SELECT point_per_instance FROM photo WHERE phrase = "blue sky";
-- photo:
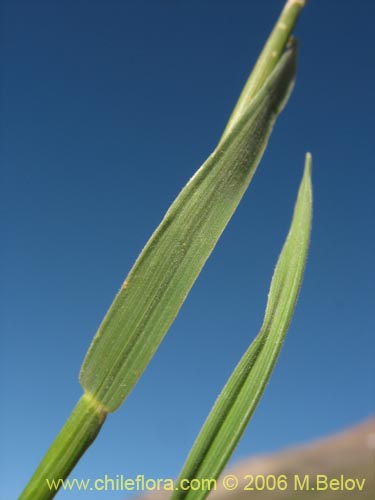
(109, 108)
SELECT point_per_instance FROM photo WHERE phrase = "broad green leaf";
(165, 271)
(239, 398)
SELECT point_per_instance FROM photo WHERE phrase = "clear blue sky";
(109, 108)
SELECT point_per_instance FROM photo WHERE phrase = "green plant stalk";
(162, 276)
(78, 433)
(267, 60)
(241, 394)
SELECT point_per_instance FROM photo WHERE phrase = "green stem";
(269, 57)
(75, 437)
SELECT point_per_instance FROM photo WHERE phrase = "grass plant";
(166, 269)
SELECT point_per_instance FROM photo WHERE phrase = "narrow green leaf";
(172, 259)
(239, 398)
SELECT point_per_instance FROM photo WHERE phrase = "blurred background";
(109, 107)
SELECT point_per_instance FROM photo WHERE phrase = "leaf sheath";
(75, 437)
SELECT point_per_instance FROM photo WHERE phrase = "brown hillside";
(347, 459)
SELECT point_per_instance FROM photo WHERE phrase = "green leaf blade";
(240, 396)
(168, 266)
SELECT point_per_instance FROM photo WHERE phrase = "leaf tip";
(308, 163)
(299, 3)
